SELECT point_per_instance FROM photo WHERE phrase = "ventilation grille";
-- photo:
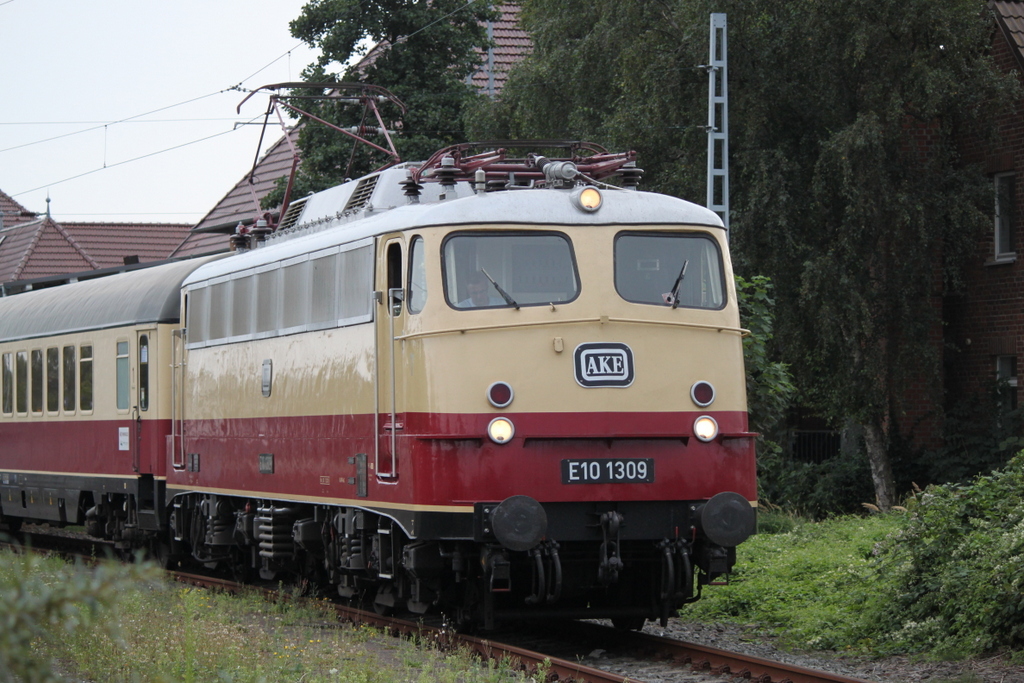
(291, 216)
(361, 196)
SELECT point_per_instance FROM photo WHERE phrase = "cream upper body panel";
(446, 357)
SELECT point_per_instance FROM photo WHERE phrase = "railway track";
(702, 662)
(557, 650)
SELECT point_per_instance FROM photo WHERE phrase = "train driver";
(477, 286)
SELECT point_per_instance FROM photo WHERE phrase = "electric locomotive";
(479, 382)
(497, 387)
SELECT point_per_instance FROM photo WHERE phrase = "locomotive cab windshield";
(509, 269)
(671, 269)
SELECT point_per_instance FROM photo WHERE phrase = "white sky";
(75, 70)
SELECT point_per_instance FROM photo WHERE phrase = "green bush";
(945, 578)
(952, 581)
(836, 486)
(44, 601)
(809, 585)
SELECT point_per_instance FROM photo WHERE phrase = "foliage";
(808, 584)
(980, 434)
(848, 190)
(44, 602)
(951, 582)
(424, 54)
(843, 204)
(945, 580)
(834, 486)
(583, 81)
(769, 385)
(163, 631)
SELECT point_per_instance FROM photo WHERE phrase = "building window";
(1006, 376)
(1006, 214)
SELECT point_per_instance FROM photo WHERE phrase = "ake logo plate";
(603, 364)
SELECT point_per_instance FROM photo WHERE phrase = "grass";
(160, 631)
(807, 583)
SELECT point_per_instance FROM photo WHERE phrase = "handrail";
(575, 321)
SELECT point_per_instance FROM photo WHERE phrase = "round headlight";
(588, 199)
(705, 428)
(500, 394)
(501, 430)
(702, 393)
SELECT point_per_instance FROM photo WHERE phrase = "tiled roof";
(109, 243)
(511, 44)
(237, 205)
(1010, 17)
(44, 248)
(12, 213)
(37, 249)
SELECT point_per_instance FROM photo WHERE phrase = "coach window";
(69, 379)
(37, 380)
(85, 378)
(52, 379)
(144, 372)
(417, 276)
(123, 380)
(8, 383)
(21, 381)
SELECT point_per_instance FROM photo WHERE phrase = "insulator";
(631, 175)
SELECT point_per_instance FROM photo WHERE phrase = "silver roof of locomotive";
(376, 204)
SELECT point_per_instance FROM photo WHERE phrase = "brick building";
(985, 325)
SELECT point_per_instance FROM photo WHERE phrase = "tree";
(619, 74)
(424, 53)
(848, 190)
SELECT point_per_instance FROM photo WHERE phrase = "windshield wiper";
(679, 281)
(504, 295)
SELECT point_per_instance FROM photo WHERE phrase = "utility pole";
(718, 122)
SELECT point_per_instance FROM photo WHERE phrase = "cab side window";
(417, 276)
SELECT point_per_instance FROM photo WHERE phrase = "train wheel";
(628, 623)
(160, 553)
(13, 524)
(384, 602)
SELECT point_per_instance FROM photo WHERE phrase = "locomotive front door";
(390, 321)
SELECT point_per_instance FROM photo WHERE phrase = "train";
(496, 385)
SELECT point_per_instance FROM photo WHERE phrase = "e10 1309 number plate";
(608, 471)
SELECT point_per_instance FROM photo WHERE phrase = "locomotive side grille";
(291, 216)
(361, 195)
